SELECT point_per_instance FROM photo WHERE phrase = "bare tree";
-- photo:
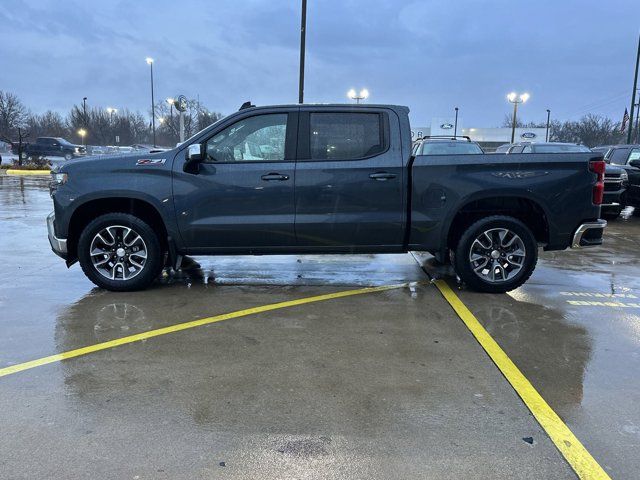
(591, 130)
(196, 117)
(13, 121)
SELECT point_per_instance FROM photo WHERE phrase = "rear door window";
(345, 135)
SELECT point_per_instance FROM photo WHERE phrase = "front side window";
(619, 156)
(634, 155)
(258, 138)
(345, 136)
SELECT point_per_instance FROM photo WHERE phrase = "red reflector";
(598, 193)
(598, 167)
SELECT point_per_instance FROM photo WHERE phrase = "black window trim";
(291, 134)
(304, 137)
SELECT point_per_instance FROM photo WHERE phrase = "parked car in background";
(615, 182)
(626, 157)
(542, 147)
(339, 179)
(435, 145)
(50, 147)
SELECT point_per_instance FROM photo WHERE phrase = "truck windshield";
(450, 148)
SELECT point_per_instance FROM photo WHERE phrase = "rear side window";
(516, 149)
(345, 136)
(619, 156)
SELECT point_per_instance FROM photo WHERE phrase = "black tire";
(68, 156)
(482, 283)
(151, 267)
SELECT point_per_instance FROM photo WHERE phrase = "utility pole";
(633, 94)
(546, 137)
(303, 34)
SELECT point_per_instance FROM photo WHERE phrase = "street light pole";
(153, 108)
(455, 124)
(514, 98)
(633, 94)
(84, 111)
(546, 137)
(303, 34)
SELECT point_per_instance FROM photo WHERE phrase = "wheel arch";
(91, 209)
(529, 211)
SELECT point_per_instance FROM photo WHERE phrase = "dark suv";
(626, 157)
(52, 147)
(615, 181)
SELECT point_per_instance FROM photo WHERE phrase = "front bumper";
(589, 234)
(58, 245)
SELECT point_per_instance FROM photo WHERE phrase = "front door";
(633, 194)
(349, 178)
(242, 197)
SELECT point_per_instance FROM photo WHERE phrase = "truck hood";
(113, 163)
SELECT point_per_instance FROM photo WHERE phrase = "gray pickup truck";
(321, 179)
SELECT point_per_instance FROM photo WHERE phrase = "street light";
(153, 109)
(82, 132)
(111, 111)
(171, 102)
(364, 94)
(514, 98)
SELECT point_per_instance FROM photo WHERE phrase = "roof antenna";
(246, 105)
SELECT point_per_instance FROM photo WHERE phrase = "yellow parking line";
(11, 171)
(186, 325)
(585, 466)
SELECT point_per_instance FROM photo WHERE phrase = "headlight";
(60, 178)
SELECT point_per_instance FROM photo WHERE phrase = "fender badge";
(151, 161)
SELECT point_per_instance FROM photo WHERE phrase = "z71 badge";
(151, 161)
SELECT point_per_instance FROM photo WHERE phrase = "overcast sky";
(572, 56)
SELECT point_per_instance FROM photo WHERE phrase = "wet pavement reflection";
(371, 387)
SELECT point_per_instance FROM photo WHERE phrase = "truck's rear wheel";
(496, 254)
(120, 252)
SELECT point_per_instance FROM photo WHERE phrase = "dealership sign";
(528, 135)
(446, 126)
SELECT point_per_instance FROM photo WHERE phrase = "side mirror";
(635, 163)
(193, 157)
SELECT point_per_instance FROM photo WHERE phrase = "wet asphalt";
(381, 385)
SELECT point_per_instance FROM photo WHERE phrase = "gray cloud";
(573, 56)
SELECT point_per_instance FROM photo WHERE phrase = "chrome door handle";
(274, 176)
(382, 176)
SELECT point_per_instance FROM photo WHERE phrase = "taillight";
(598, 167)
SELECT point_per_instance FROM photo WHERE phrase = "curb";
(28, 172)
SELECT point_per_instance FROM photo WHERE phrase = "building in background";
(488, 138)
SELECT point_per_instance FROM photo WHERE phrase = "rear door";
(242, 197)
(349, 180)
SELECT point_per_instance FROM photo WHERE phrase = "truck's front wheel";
(120, 252)
(496, 254)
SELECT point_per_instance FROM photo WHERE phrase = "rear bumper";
(58, 245)
(589, 234)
